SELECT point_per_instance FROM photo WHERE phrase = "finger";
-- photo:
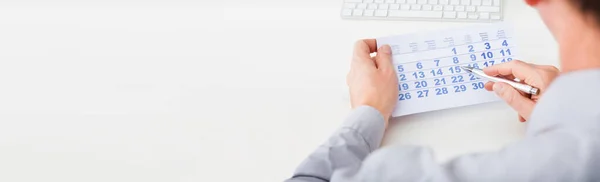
(384, 58)
(521, 119)
(489, 86)
(364, 48)
(517, 68)
(514, 99)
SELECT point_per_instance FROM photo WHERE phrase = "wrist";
(379, 111)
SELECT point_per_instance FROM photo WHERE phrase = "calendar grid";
(453, 46)
(457, 55)
(429, 66)
(441, 67)
(440, 86)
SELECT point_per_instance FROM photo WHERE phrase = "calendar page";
(428, 66)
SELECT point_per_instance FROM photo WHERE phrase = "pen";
(519, 86)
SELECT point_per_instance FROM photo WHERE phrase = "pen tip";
(468, 68)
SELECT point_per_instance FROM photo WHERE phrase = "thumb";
(518, 102)
(384, 57)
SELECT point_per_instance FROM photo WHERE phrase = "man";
(563, 136)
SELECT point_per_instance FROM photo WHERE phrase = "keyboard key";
(347, 12)
(438, 8)
(473, 16)
(361, 6)
(484, 16)
(444, 2)
(476, 2)
(427, 7)
(394, 6)
(465, 2)
(449, 14)
(448, 8)
(390, 1)
(369, 12)
(486, 2)
(496, 16)
(454, 2)
(384, 6)
(422, 1)
(411, 1)
(405, 7)
(353, 1)
(368, 1)
(496, 2)
(372, 6)
(357, 12)
(415, 7)
(462, 15)
(401, 1)
(471, 8)
(488, 9)
(381, 13)
(415, 14)
(459, 8)
(350, 5)
(433, 1)
(379, 1)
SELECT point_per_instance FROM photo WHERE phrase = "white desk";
(179, 91)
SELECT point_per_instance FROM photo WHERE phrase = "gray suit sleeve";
(562, 143)
(360, 135)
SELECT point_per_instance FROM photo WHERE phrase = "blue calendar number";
(504, 43)
(471, 48)
(419, 66)
(419, 74)
(455, 60)
(488, 55)
(424, 93)
(405, 96)
(507, 60)
(457, 79)
(440, 81)
(403, 86)
(437, 62)
(436, 72)
(460, 88)
(420, 84)
(474, 65)
(400, 68)
(441, 91)
(454, 50)
(455, 69)
(488, 46)
(477, 86)
(489, 63)
(473, 57)
(472, 77)
(504, 53)
(402, 77)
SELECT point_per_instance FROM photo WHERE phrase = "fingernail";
(385, 49)
(497, 88)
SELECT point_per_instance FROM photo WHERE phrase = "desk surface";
(180, 91)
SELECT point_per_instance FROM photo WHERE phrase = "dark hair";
(589, 7)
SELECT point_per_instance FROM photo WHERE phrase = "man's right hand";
(535, 75)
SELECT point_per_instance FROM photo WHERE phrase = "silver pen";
(519, 86)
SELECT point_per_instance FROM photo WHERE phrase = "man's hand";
(535, 75)
(372, 80)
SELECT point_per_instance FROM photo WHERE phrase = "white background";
(161, 90)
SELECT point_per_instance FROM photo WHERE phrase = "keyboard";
(435, 10)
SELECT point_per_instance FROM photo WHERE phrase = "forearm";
(360, 135)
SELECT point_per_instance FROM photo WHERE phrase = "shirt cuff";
(368, 123)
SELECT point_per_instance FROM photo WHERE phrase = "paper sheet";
(428, 66)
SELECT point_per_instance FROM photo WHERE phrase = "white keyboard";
(436, 10)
